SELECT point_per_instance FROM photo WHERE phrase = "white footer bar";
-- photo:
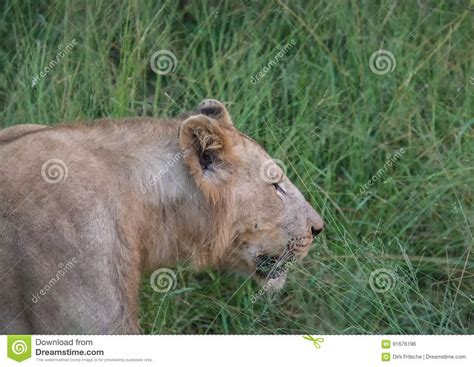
(234, 350)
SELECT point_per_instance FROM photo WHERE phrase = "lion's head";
(261, 220)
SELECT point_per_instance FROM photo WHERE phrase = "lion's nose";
(315, 231)
(315, 222)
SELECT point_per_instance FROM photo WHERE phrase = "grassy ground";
(320, 109)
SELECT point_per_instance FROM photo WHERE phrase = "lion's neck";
(164, 213)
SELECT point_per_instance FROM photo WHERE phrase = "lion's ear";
(215, 110)
(207, 153)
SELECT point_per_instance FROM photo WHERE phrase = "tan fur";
(139, 194)
(16, 131)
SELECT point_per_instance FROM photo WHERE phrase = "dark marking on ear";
(206, 161)
(215, 110)
(209, 155)
(211, 111)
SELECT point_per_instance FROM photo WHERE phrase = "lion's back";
(53, 213)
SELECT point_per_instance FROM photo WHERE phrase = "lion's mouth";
(272, 267)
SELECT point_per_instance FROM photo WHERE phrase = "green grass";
(321, 110)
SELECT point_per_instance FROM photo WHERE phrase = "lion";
(88, 209)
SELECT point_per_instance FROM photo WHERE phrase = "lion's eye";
(279, 189)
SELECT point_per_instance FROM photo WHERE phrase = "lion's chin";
(272, 285)
(271, 271)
